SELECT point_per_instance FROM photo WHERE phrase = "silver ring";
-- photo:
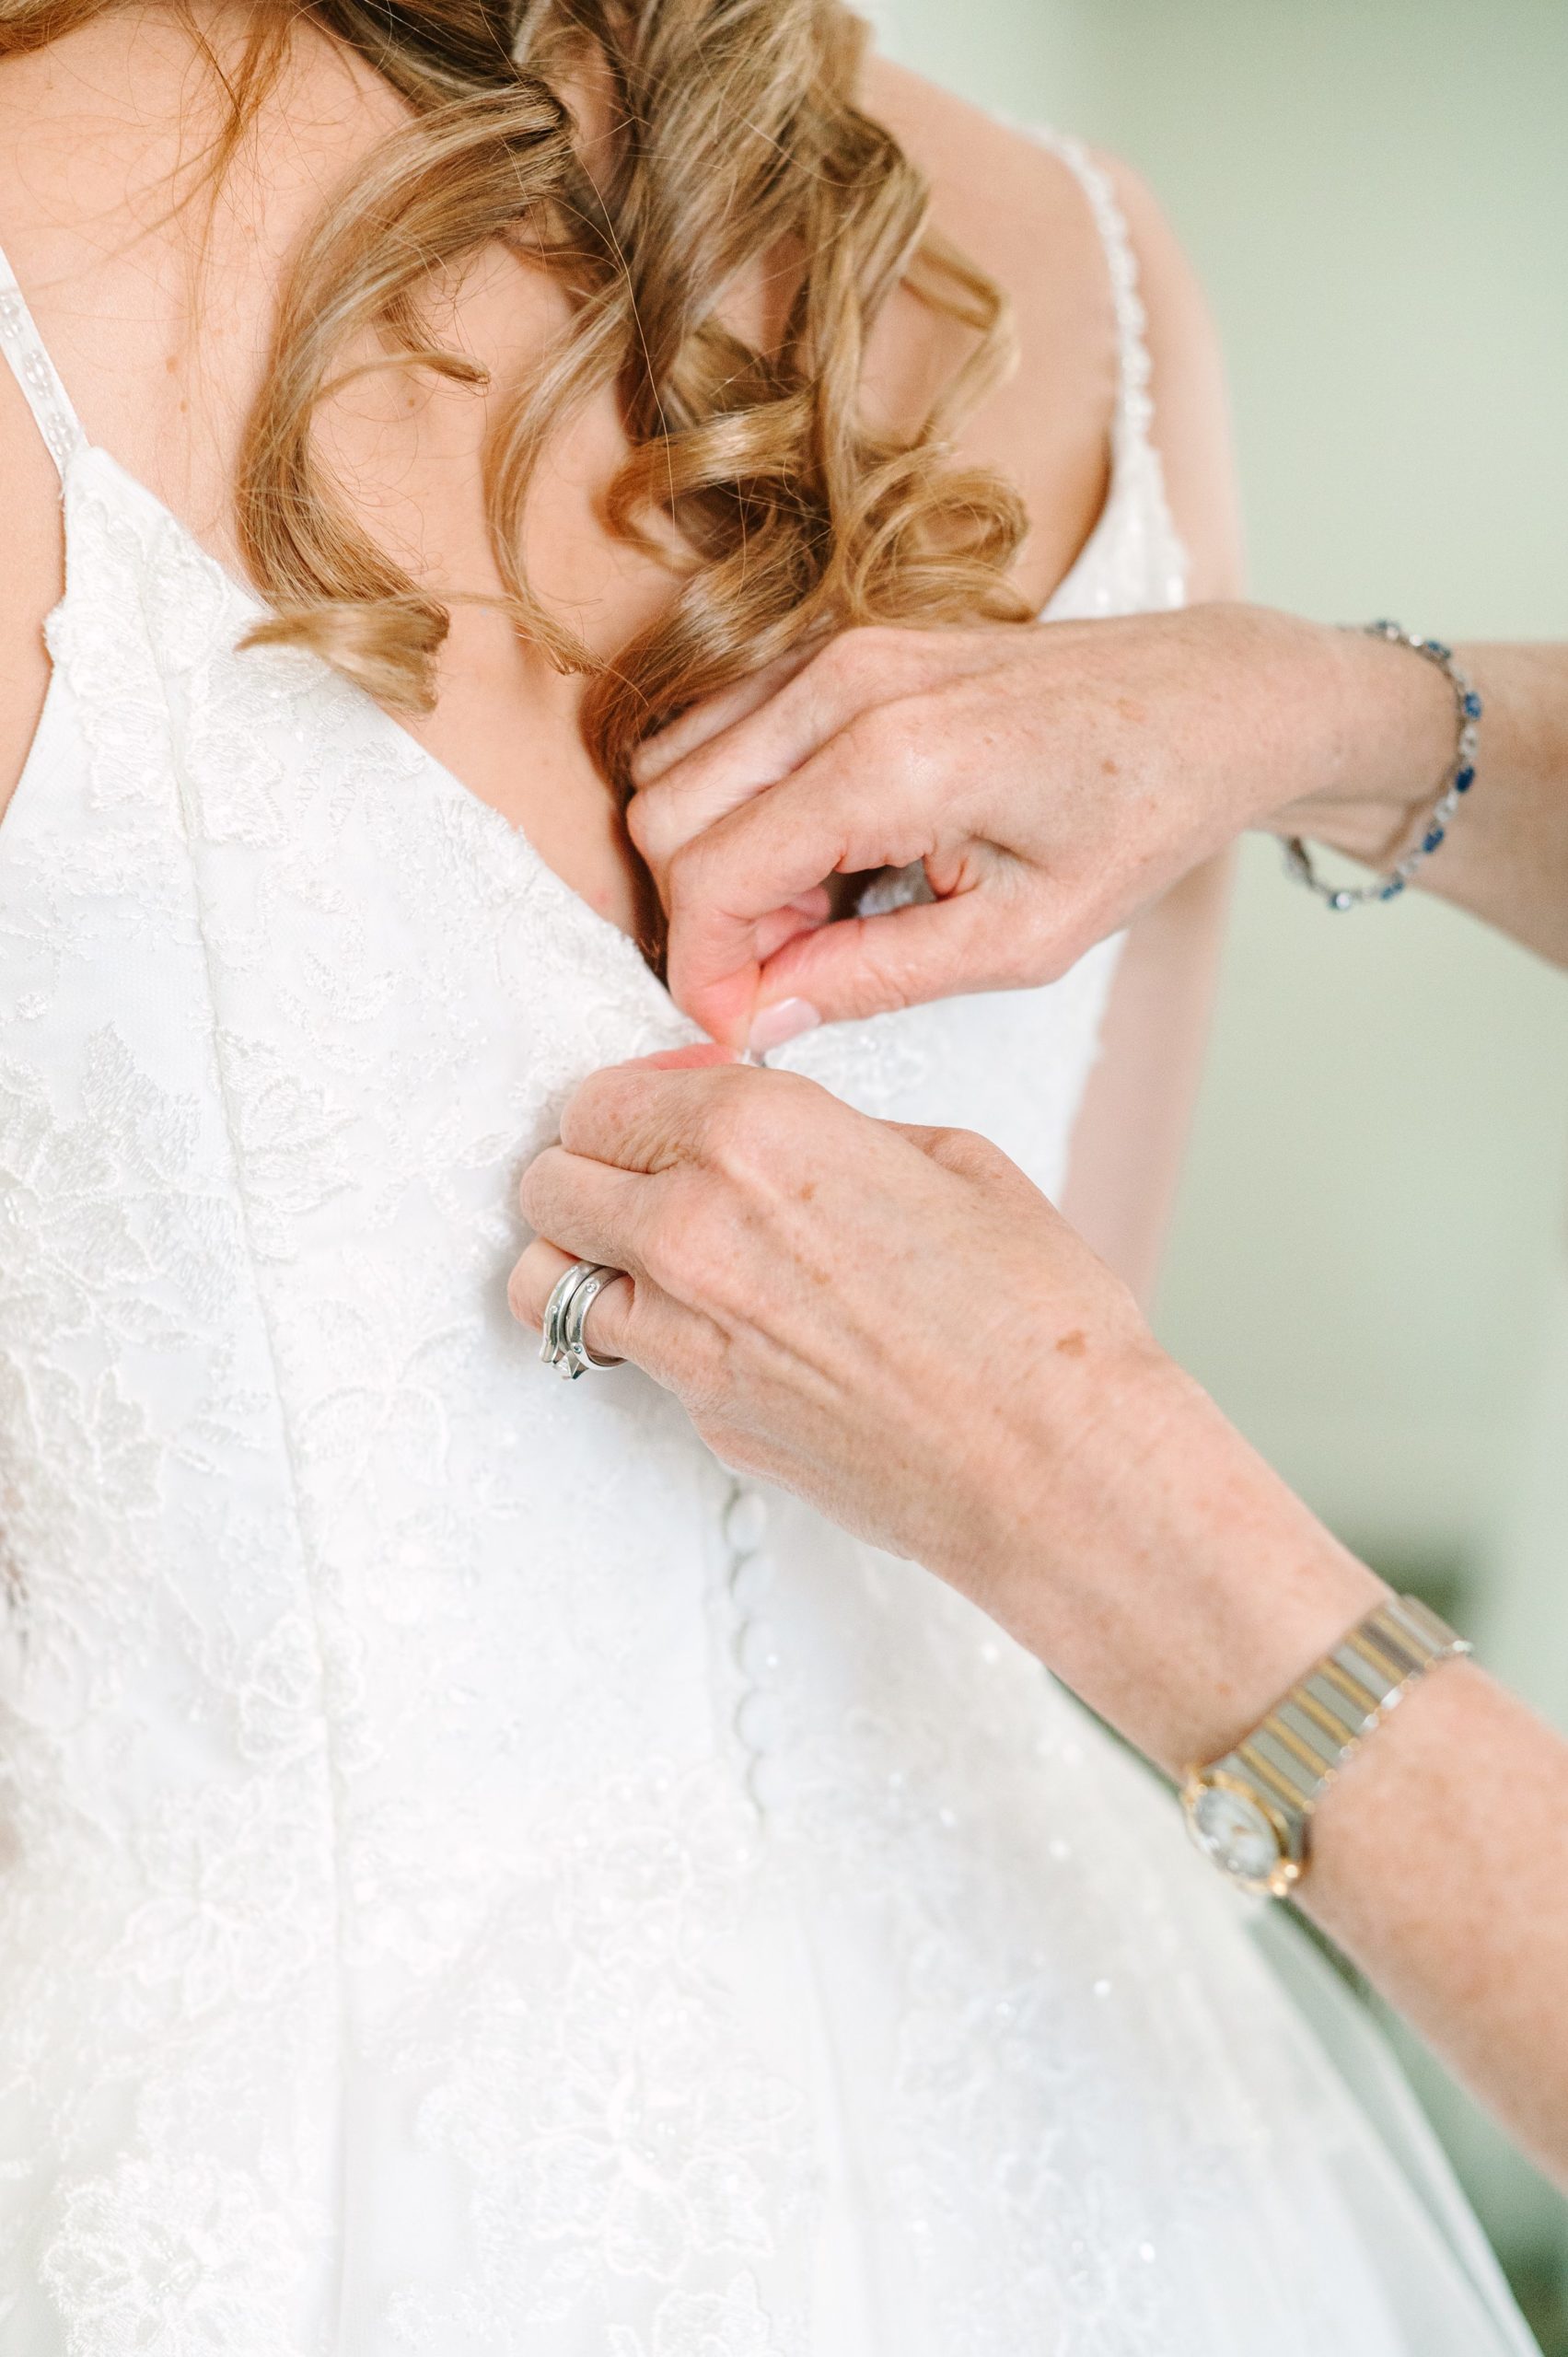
(580, 1358)
(565, 1285)
(563, 1345)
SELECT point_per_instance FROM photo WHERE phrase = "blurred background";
(1370, 1268)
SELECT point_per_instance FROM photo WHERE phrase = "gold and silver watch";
(1251, 1812)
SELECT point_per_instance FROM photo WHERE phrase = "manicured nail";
(776, 1025)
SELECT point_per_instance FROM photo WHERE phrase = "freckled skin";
(1107, 1515)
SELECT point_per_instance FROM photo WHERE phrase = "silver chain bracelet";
(1456, 783)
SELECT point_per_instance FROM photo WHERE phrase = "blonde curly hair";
(754, 474)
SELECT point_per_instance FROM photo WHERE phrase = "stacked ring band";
(563, 1345)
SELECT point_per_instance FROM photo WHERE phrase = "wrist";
(1284, 700)
(1387, 737)
(1169, 1578)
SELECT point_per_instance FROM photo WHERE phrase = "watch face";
(1236, 1832)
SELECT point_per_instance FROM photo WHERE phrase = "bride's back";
(155, 279)
(475, 1879)
(157, 289)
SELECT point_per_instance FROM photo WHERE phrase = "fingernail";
(774, 1026)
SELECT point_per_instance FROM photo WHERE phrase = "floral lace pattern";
(399, 1948)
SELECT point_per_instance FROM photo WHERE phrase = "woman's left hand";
(896, 1325)
(835, 1298)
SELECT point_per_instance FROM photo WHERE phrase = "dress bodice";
(476, 1879)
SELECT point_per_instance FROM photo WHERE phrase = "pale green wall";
(1369, 1262)
(1376, 194)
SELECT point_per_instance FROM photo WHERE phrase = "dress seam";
(178, 723)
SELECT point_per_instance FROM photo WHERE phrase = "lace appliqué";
(401, 1947)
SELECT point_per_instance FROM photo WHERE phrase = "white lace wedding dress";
(475, 1880)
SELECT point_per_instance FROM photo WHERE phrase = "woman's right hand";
(1054, 780)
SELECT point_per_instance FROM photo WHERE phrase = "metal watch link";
(1251, 1812)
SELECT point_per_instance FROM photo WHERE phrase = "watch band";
(1251, 1812)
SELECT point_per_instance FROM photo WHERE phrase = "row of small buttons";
(759, 1714)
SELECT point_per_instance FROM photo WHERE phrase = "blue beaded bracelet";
(1458, 782)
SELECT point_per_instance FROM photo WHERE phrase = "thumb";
(747, 890)
(865, 966)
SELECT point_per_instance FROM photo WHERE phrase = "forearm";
(1383, 739)
(1199, 1590)
(898, 1327)
(1440, 1872)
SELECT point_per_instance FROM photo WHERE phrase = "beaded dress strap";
(36, 373)
(1134, 405)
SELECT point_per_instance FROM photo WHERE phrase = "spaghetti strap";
(1134, 407)
(36, 373)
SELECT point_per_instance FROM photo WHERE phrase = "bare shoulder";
(997, 186)
(1191, 425)
(1012, 202)
(1012, 206)
(115, 226)
(103, 135)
